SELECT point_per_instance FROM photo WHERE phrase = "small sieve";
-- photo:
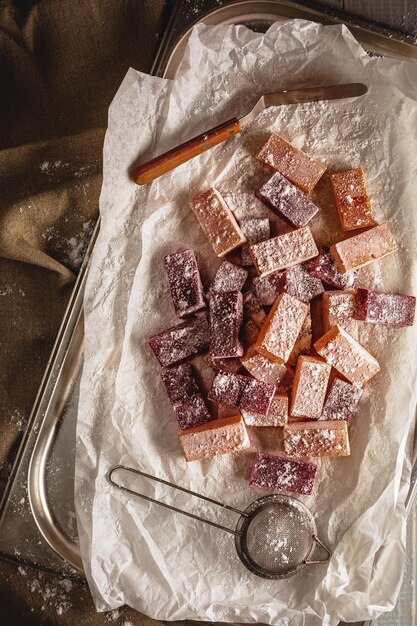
(274, 537)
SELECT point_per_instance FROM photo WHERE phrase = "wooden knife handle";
(163, 163)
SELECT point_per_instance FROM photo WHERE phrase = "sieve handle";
(118, 468)
(325, 548)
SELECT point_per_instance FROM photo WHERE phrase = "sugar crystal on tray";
(322, 438)
(339, 308)
(231, 365)
(371, 245)
(276, 416)
(342, 401)
(229, 277)
(324, 268)
(352, 199)
(304, 340)
(384, 308)
(273, 472)
(217, 221)
(298, 282)
(294, 164)
(309, 389)
(255, 230)
(266, 370)
(243, 392)
(252, 309)
(179, 342)
(283, 251)
(222, 436)
(185, 283)
(287, 200)
(185, 395)
(281, 328)
(267, 288)
(226, 315)
(347, 356)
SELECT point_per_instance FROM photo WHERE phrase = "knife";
(147, 172)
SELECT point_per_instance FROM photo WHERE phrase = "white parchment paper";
(134, 552)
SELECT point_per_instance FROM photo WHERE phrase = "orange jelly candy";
(221, 436)
(293, 163)
(327, 438)
(372, 245)
(338, 308)
(283, 251)
(304, 340)
(309, 389)
(352, 199)
(217, 221)
(347, 356)
(281, 328)
(266, 370)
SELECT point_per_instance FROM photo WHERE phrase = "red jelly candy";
(342, 401)
(287, 200)
(227, 388)
(226, 316)
(185, 396)
(179, 342)
(243, 392)
(324, 268)
(185, 282)
(384, 308)
(229, 277)
(273, 472)
(298, 282)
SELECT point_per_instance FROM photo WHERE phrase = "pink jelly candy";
(270, 372)
(243, 392)
(324, 268)
(226, 316)
(384, 308)
(179, 342)
(252, 309)
(267, 288)
(229, 277)
(185, 282)
(342, 401)
(223, 436)
(298, 282)
(255, 230)
(185, 396)
(273, 472)
(287, 200)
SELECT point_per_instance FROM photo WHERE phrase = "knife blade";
(149, 171)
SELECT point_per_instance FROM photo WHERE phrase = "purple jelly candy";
(185, 396)
(255, 230)
(342, 401)
(287, 200)
(184, 280)
(179, 342)
(384, 308)
(226, 315)
(244, 392)
(267, 288)
(298, 282)
(323, 267)
(229, 277)
(273, 472)
(227, 388)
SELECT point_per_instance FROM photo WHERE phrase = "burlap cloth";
(61, 61)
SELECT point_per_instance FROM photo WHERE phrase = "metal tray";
(37, 519)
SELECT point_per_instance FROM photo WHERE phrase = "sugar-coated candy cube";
(342, 401)
(324, 268)
(226, 410)
(277, 414)
(304, 340)
(222, 436)
(287, 200)
(181, 341)
(227, 388)
(229, 277)
(384, 308)
(281, 328)
(185, 283)
(231, 365)
(252, 309)
(226, 315)
(254, 230)
(273, 472)
(250, 333)
(322, 438)
(352, 199)
(339, 308)
(267, 288)
(347, 356)
(371, 245)
(266, 370)
(185, 395)
(294, 164)
(242, 392)
(309, 389)
(217, 221)
(283, 251)
(298, 282)
(256, 396)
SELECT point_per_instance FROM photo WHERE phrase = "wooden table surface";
(400, 14)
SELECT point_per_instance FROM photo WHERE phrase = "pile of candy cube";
(262, 324)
